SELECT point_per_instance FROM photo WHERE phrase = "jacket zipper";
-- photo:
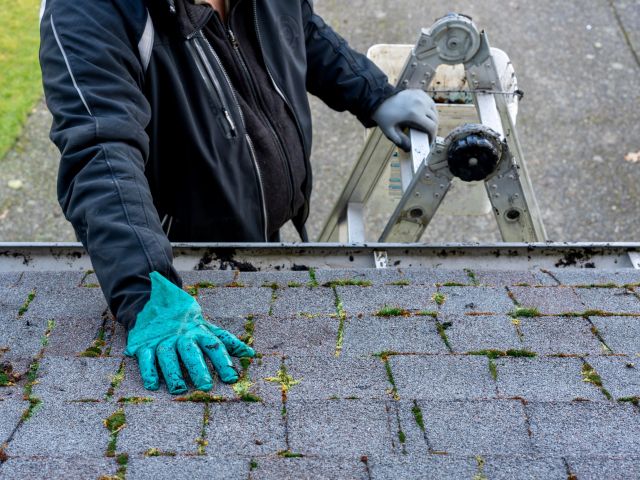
(201, 36)
(212, 85)
(281, 150)
(264, 203)
(282, 95)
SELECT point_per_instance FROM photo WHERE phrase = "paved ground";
(578, 64)
(474, 375)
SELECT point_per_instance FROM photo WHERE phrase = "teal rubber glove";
(171, 324)
(411, 108)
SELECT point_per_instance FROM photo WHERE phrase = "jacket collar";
(190, 17)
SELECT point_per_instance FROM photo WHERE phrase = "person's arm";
(347, 80)
(93, 75)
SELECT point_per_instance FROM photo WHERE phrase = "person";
(189, 120)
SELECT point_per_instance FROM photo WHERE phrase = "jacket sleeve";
(93, 76)
(343, 78)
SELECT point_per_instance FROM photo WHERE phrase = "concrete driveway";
(577, 62)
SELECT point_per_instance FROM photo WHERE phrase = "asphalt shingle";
(73, 430)
(58, 468)
(234, 302)
(525, 468)
(473, 333)
(372, 335)
(325, 468)
(442, 377)
(599, 468)
(584, 428)
(11, 412)
(621, 334)
(614, 300)
(498, 278)
(437, 466)
(340, 428)
(476, 427)
(475, 299)
(299, 335)
(90, 380)
(378, 277)
(324, 378)
(555, 335)
(620, 376)
(169, 427)
(368, 300)
(245, 428)
(544, 379)
(597, 277)
(548, 300)
(303, 300)
(186, 468)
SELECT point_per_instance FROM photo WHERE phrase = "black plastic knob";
(473, 157)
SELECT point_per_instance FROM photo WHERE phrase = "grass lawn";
(20, 81)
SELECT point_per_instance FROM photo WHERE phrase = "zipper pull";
(232, 38)
(232, 125)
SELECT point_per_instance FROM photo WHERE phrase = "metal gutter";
(264, 257)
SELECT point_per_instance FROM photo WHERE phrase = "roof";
(474, 374)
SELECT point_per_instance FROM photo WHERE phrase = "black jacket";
(150, 133)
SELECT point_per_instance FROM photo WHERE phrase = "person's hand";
(410, 108)
(171, 325)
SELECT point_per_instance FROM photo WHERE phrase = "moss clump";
(348, 282)
(393, 391)
(135, 400)
(191, 290)
(452, 284)
(387, 311)
(480, 469)
(114, 424)
(385, 354)
(96, 348)
(249, 329)
(633, 400)
(25, 306)
(598, 285)
(417, 415)
(285, 380)
(493, 369)
(526, 312)
(200, 397)
(7, 376)
(242, 389)
(590, 375)
(289, 454)
(439, 298)
(154, 452)
(253, 465)
(400, 283)
(342, 316)
(442, 331)
(504, 353)
(116, 380)
(294, 285)
(472, 276)
(313, 281)
(426, 313)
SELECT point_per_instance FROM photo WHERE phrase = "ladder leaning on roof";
(488, 151)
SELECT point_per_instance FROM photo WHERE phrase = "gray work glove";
(411, 108)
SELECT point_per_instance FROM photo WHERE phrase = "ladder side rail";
(482, 74)
(424, 195)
